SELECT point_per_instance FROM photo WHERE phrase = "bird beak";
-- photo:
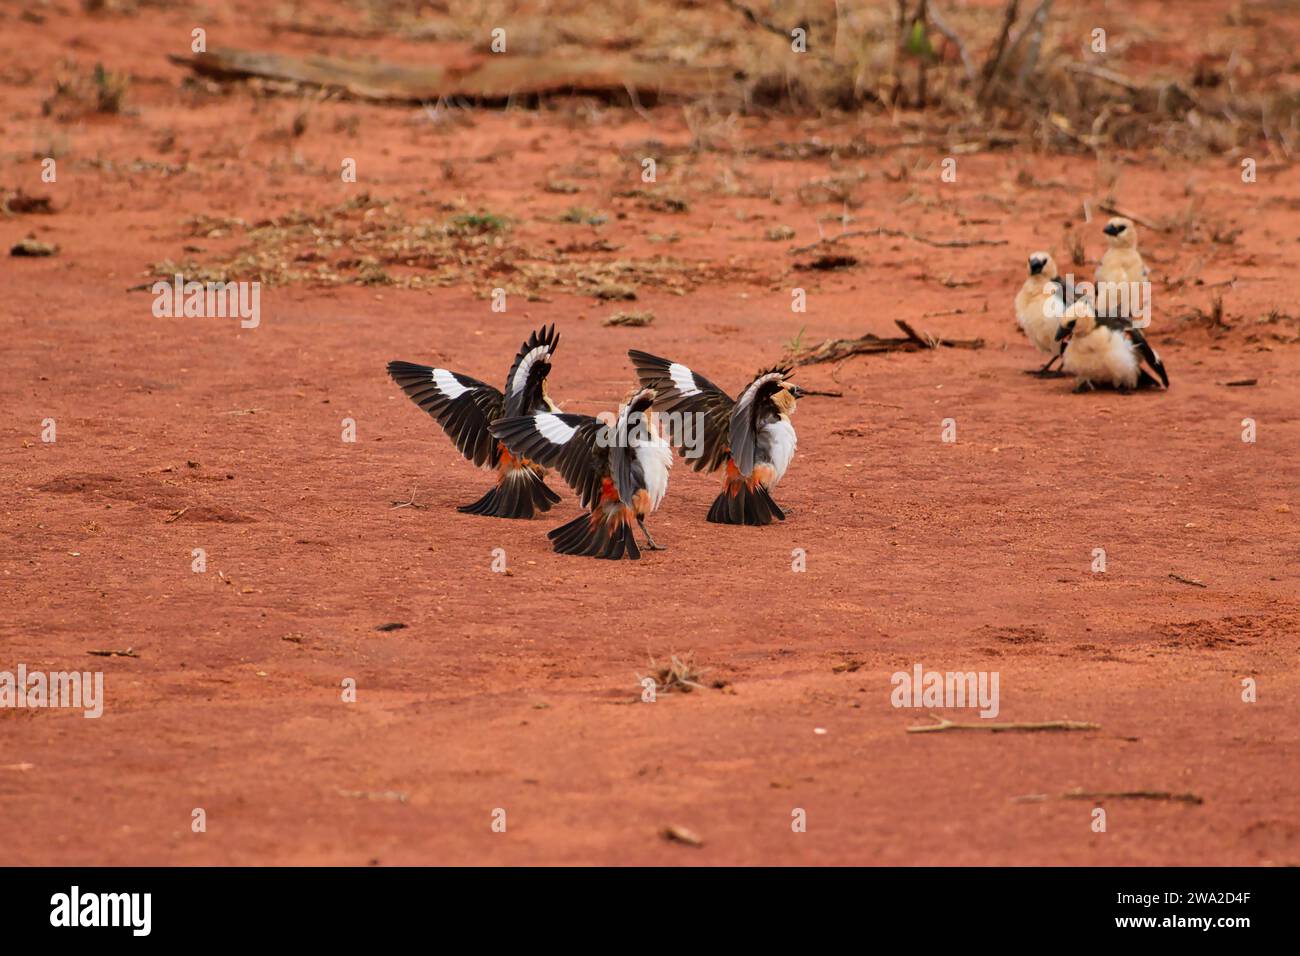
(795, 391)
(1036, 267)
(1111, 230)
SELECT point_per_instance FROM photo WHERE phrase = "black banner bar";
(536, 905)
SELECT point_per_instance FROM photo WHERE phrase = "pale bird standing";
(1121, 264)
(1040, 304)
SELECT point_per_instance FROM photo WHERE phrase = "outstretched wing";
(564, 442)
(752, 408)
(1148, 354)
(463, 406)
(683, 392)
(532, 363)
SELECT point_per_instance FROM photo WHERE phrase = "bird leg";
(650, 542)
(1044, 373)
(1083, 386)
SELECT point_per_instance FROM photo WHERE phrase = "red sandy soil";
(520, 691)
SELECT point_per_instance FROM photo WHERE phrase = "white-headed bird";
(1108, 352)
(751, 438)
(466, 407)
(620, 473)
(1040, 303)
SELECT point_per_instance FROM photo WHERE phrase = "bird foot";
(649, 541)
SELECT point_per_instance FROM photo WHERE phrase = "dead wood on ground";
(832, 350)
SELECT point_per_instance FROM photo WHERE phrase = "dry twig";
(833, 350)
(901, 234)
(1132, 795)
(946, 724)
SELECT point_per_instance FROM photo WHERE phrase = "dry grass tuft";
(680, 674)
(373, 241)
(634, 320)
(76, 95)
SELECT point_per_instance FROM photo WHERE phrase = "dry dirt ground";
(520, 691)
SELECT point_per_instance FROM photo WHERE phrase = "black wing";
(685, 392)
(463, 406)
(1148, 354)
(532, 363)
(1140, 343)
(753, 408)
(567, 443)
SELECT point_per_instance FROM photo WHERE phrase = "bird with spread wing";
(750, 438)
(620, 472)
(466, 407)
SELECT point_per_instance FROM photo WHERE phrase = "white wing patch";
(541, 353)
(684, 379)
(447, 383)
(552, 429)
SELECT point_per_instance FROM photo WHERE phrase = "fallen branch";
(946, 724)
(1132, 795)
(495, 79)
(928, 342)
(1111, 795)
(901, 234)
(1191, 581)
(832, 350)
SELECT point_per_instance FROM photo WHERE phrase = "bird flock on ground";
(619, 467)
(1095, 331)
